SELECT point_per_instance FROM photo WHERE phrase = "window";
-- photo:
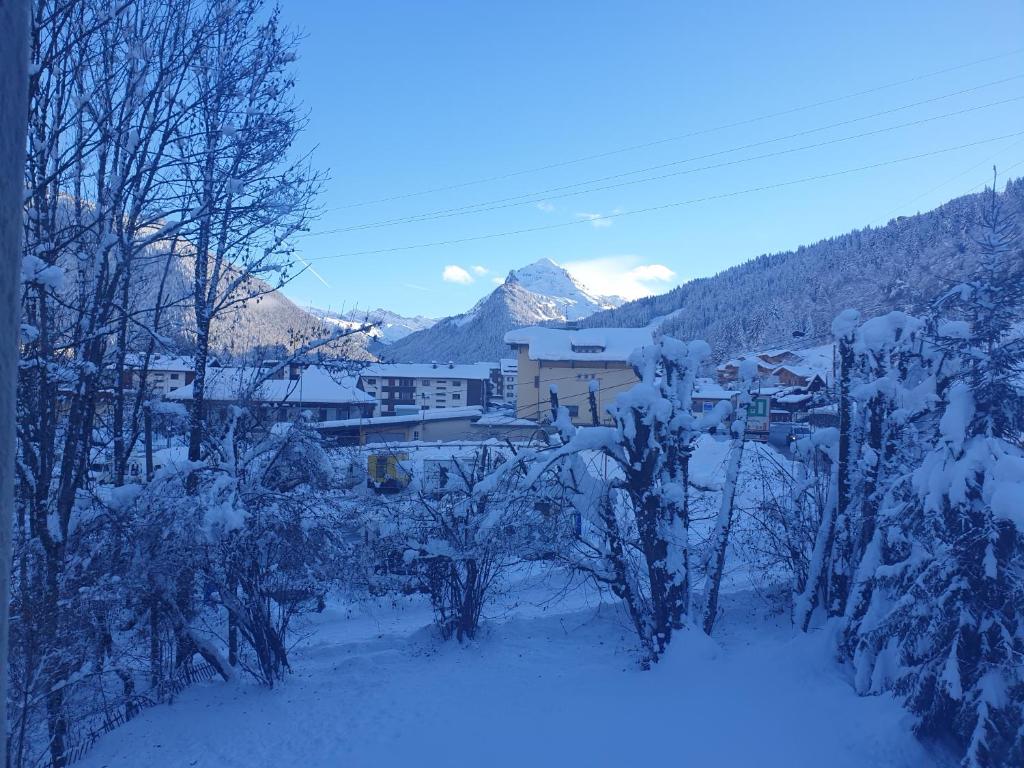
(574, 410)
(536, 382)
(440, 382)
(425, 383)
(456, 382)
(175, 376)
(371, 381)
(456, 396)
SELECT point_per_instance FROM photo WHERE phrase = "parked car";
(783, 434)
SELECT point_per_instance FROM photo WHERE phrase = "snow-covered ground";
(547, 684)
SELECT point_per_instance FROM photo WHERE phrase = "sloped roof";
(616, 344)
(434, 414)
(474, 371)
(161, 362)
(314, 385)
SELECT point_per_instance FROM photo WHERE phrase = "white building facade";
(402, 388)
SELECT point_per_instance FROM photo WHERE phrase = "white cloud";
(595, 219)
(497, 280)
(652, 272)
(545, 206)
(622, 276)
(480, 270)
(456, 274)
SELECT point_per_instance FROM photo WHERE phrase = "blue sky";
(410, 96)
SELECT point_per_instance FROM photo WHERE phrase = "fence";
(133, 705)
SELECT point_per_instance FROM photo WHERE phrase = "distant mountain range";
(389, 326)
(780, 299)
(791, 298)
(542, 292)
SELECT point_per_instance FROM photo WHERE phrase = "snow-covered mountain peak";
(571, 298)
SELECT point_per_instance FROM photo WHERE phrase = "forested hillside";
(764, 302)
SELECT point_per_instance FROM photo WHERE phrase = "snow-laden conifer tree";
(944, 621)
(635, 539)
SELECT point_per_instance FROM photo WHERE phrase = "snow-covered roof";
(597, 344)
(160, 362)
(473, 371)
(499, 419)
(509, 366)
(434, 414)
(711, 392)
(792, 399)
(804, 371)
(314, 385)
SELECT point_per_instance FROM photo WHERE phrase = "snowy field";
(549, 683)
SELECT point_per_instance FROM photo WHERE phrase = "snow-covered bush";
(459, 543)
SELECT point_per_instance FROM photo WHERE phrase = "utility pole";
(14, 52)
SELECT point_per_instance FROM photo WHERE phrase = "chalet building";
(729, 372)
(403, 388)
(777, 368)
(573, 361)
(286, 394)
(776, 357)
(800, 376)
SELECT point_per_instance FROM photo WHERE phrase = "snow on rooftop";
(473, 371)
(811, 360)
(598, 344)
(501, 419)
(160, 362)
(509, 365)
(434, 414)
(314, 385)
(713, 392)
(801, 370)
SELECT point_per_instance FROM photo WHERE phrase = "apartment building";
(509, 377)
(573, 361)
(164, 373)
(403, 388)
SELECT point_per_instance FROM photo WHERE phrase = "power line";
(542, 195)
(691, 201)
(679, 137)
(883, 219)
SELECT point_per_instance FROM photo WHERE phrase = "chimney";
(451, 365)
(433, 363)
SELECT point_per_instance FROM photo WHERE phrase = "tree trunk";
(725, 515)
(14, 27)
